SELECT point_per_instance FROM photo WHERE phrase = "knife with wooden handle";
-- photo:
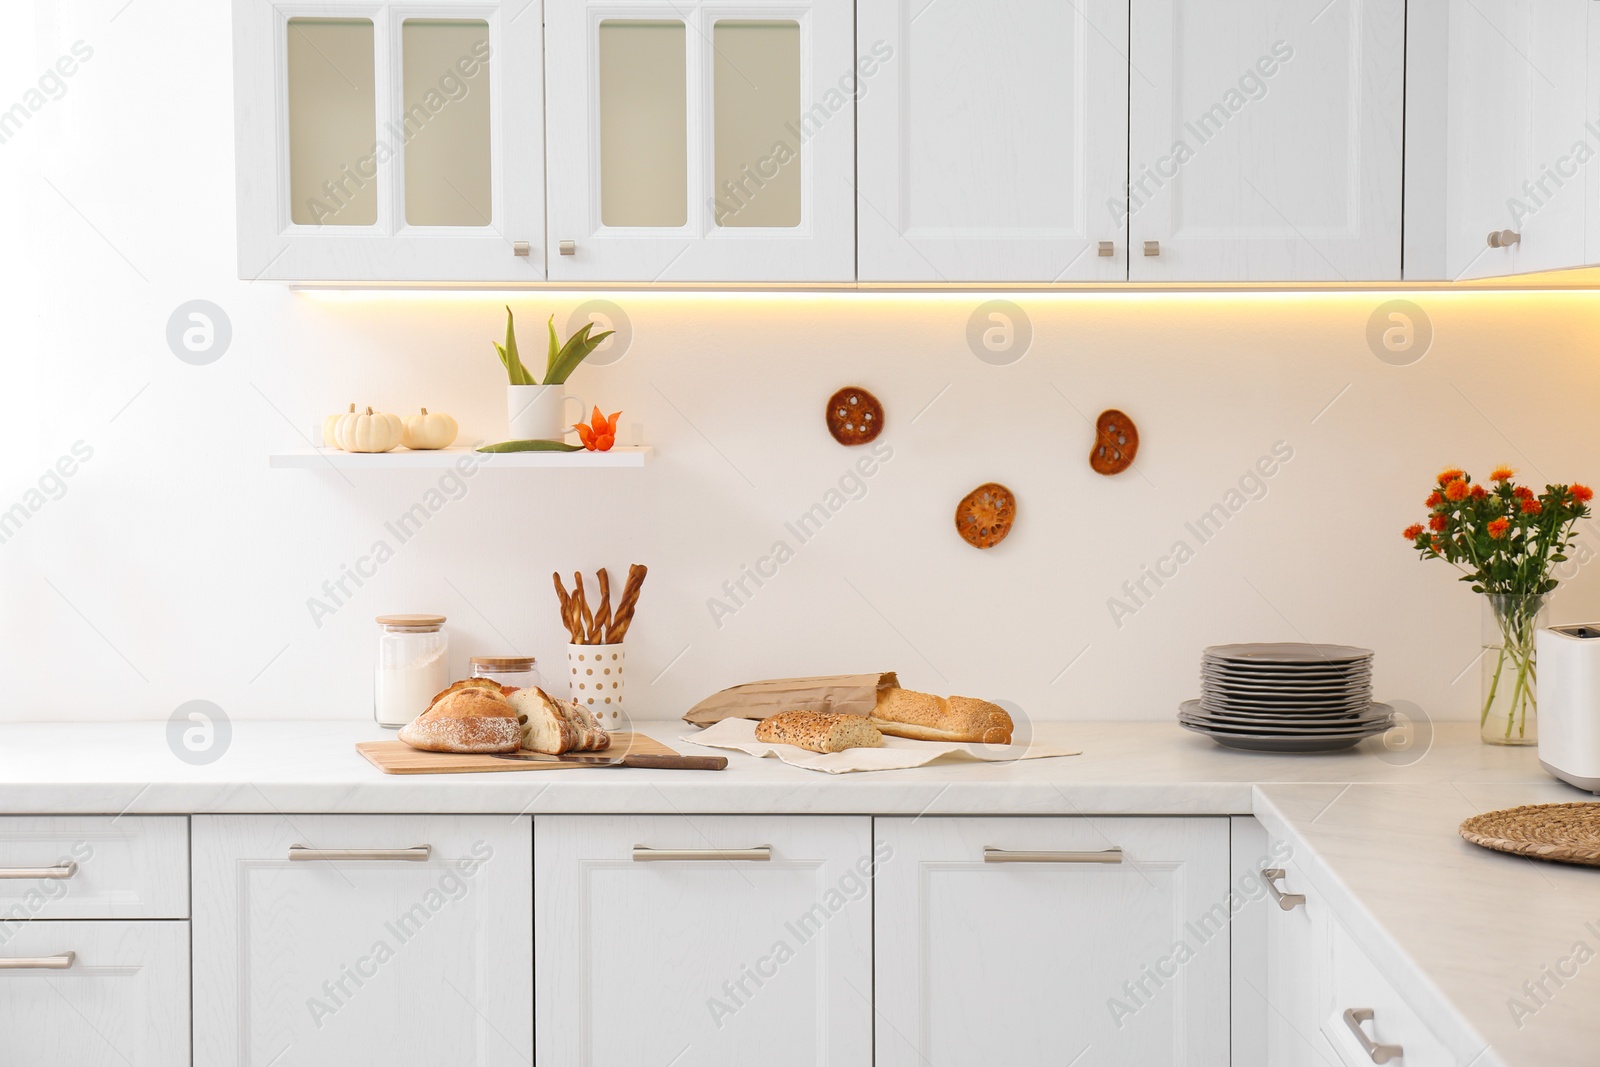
(653, 762)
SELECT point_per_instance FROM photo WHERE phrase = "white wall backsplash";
(173, 564)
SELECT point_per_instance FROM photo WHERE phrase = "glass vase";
(1510, 681)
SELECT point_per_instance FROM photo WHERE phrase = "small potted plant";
(1504, 539)
(534, 409)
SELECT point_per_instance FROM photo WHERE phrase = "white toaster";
(1568, 660)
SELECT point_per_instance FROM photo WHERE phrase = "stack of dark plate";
(1286, 698)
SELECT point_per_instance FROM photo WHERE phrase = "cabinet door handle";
(418, 854)
(567, 248)
(1152, 248)
(1286, 901)
(1108, 248)
(1504, 238)
(1001, 855)
(1353, 1018)
(521, 248)
(646, 854)
(59, 962)
(60, 870)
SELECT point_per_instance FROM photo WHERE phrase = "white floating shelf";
(406, 459)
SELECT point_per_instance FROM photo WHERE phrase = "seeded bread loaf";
(924, 717)
(818, 731)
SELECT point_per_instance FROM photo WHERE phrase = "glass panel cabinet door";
(389, 141)
(993, 140)
(700, 142)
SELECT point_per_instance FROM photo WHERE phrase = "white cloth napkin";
(897, 752)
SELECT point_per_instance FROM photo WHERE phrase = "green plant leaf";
(554, 353)
(515, 371)
(574, 352)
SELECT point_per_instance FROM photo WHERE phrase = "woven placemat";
(1561, 833)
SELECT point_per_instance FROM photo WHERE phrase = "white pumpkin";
(368, 431)
(330, 426)
(426, 431)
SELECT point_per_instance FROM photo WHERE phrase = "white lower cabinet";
(1368, 1021)
(334, 940)
(1278, 948)
(1084, 941)
(703, 940)
(111, 993)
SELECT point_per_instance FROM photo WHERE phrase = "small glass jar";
(518, 672)
(413, 667)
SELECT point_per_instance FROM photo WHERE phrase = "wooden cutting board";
(397, 757)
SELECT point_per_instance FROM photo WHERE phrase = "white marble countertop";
(1150, 768)
(1459, 929)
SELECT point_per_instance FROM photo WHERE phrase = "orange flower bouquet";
(1504, 539)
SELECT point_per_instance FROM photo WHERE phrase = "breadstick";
(623, 618)
(566, 608)
(585, 618)
(602, 616)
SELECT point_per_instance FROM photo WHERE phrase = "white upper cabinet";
(1088, 941)
(1501, 103)
(389, 141)
(1265, 140)
(701, 142)
(993, 140)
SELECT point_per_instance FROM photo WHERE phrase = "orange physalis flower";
(1479, 492)
(1434, 499)
(1583, 493)
(1502, 474)
(1531, 507)
(1436, 524)
(1451, 475)
(600, 434)
(1413, 532)
(1457, 490)
(1498, 527)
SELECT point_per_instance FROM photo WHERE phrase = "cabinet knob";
(1152, 248)
(569, 248)
(1353, 1018)
(1504, 238)
(1286, 901)
(1107, 248)
(521, 248)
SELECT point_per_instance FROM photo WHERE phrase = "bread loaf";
(924, 717)
(469, 719)
(556, 726)
(819, 731)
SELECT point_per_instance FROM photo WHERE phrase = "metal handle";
(1504, 238)
(568, 248)
(1108, 248)
(1286, 901)
(60, 870)
(521, 248)
(59, 962)
(1353, 1018)
(646, 854)
(418, 854)
(1001, 855)
(1152, 248)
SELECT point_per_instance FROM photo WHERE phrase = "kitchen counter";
(1459, 928)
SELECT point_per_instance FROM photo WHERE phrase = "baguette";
(818, 731)
(924, 717)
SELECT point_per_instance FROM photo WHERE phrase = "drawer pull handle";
(59, 962)
(1001, 855)
(418, 854)
(1286, 901)
(646, 854)
(60, 870)
(1353, 1018)
(1504, 238)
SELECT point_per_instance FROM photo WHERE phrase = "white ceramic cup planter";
(595, 675)
(538, 412)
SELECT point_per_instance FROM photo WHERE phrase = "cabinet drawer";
(94, 994)
(717, 941)
(1110, 933)
(1355, 984)
(94, 867)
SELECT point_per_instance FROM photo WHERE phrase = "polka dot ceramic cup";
(595, 674)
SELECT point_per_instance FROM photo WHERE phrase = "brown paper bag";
(846, 694)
